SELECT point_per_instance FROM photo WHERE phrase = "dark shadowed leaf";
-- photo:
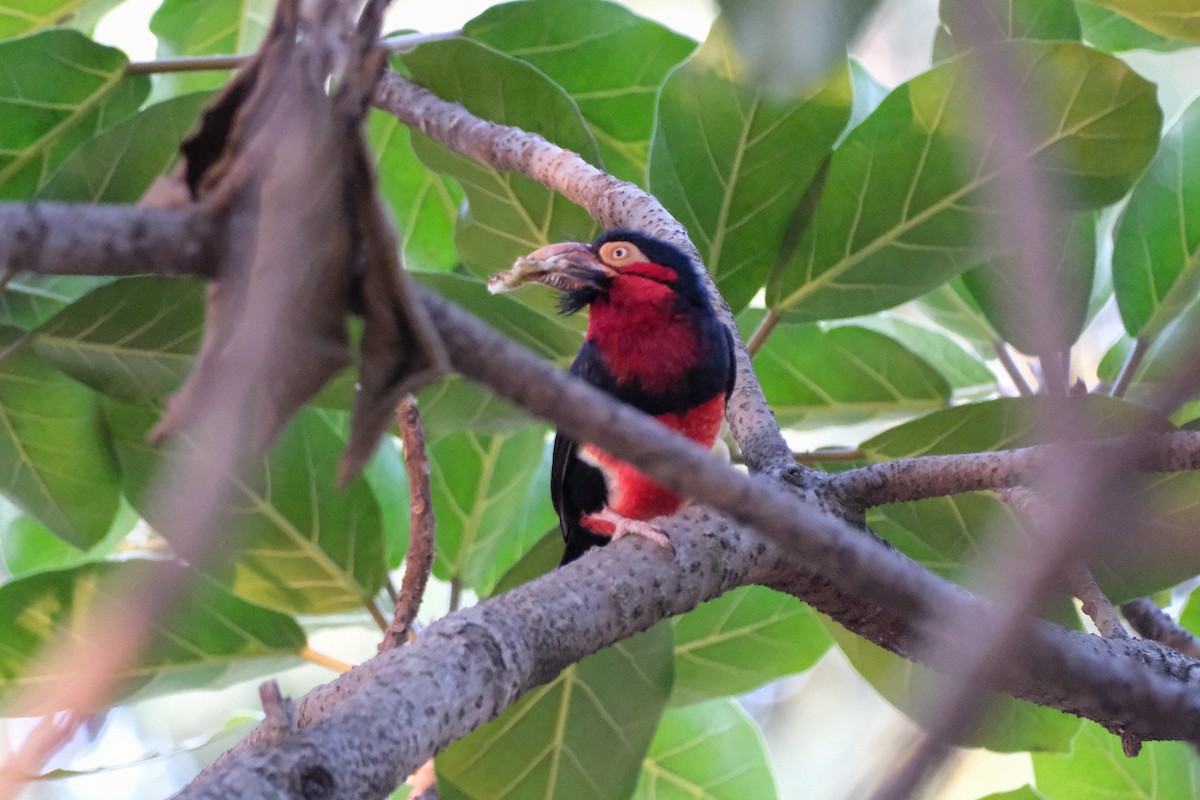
(425, 204)
(57, 89)
(740, 641)
(1006, 725)
(507, 215)
(724, 160)
(609, 60)
(843, 375)
(904, 200)
(59, 468)
(710, 751)
(299, 544)
(483, 486)
(118, 165)
(133, 339)
(580, 737)
(213, 639)
(1097, 767)
(1004, 298)
(1156, 247)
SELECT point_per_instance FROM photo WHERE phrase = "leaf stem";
(1130, 367)
(765, 328)
(1010, 366)
(323, 660)
(373, 609)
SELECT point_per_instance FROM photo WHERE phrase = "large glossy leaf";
(213, 639)
(208, 27)
(19, 17)
(57, 88)
(1174, 18)
(1156, 248)
(29, 300)
(962, 369)
(1009, 19)
(1108, 30)
(844, 375)
(425, 204)
(610, 61)
(507, 215)
(118, 165)
(740, 641)
(906, 194)
(1003, 295)
(1006, 725)
(456, 404)
(1097, 767)
(57, 463)
(295, 542)
(133, 339)
(580, 737)
(28, 546)
(951, 306)
(482, 486)
(711, 751)
(724, 160)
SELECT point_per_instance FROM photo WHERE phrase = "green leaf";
(711, 751)
(906, 195)
(294, 542)
(27, 545)
(1024, 793)
(133, 339)
(118, 165)
(213, 639)
(18, 17)
(951, 307)
(1004, 297)
(741, 640)
(1156, 247)
(609, 60)
(1006, 724)
(455, 404)
(1108, 30)
(1173, 18)
(1010, 19)
(843, 375)
(208, 27)
(507, 215)
(542, 557)
(29, 300)
(724, 161)
(425, 204)
(580, 737)
(482, 486)
(958, 366)
(868, 93)
(59, 469)
(1097, 767)
(57, 89)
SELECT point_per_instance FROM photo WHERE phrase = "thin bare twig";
(421, 527)
(1130, 367)
(1095, 603)
(762, 333)
(1010, 366)
(1151, 622)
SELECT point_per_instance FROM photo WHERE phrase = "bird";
(653, 341)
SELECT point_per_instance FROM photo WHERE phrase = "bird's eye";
(620, 254)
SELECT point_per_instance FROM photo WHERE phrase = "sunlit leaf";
(710, 751)
(724, 160)
(957, 365)
(27, 545)
(609, 60)
(299, 544)
(58, 468)
(57, 89)
(208, 27)
(580, 737)
(740, 641)
(1174, 18)
(1108, 30)
(213, 639)
(1097, 767)
(906, 195)
(19, 17)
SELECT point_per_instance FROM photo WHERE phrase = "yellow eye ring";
(620, 254)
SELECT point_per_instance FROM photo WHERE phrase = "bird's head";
(625, 262)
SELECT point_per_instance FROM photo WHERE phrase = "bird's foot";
(625, 526)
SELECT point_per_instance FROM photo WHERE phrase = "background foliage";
(850, 215)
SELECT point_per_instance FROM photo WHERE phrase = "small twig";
(323, 660)
(764, 329)
(421, 528)
(455, 594)
(1151, 622)
(1130, 367)
(842, 454)
(186, 64)
(372, 607)
(389, 586)
(1010, 366)
(280, 713)
(1055, 379)
(1095, 603)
